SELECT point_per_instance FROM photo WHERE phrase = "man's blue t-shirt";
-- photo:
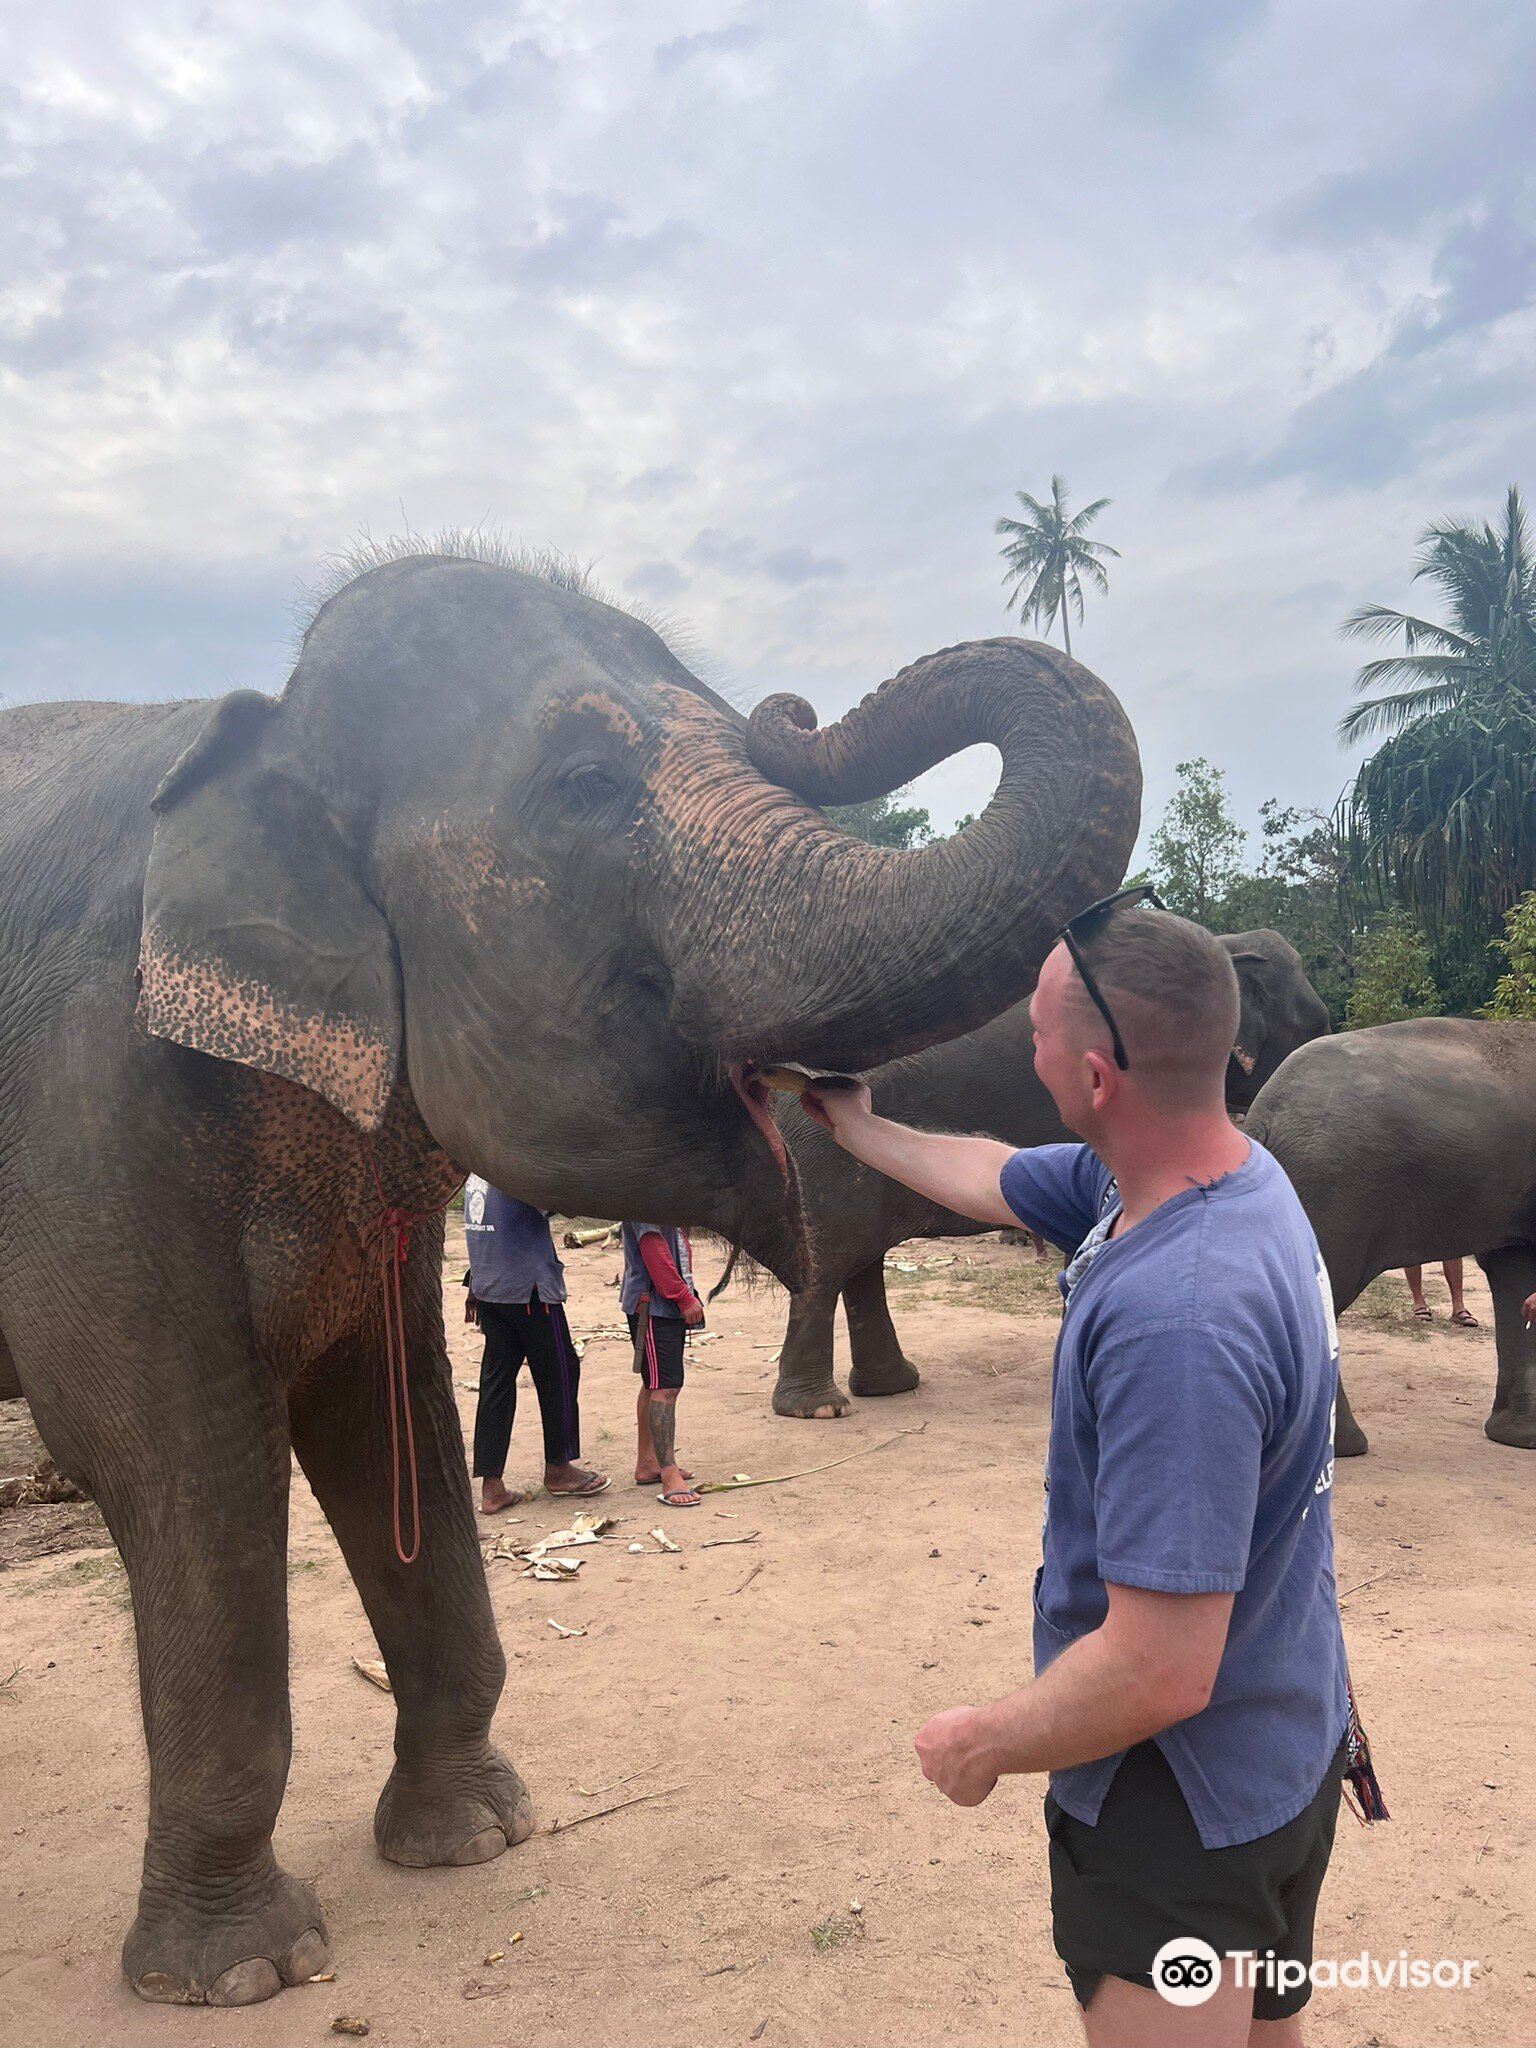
(1191, 1451)
(511, 1251)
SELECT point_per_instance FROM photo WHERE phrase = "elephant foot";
(1513, 1426)
(452, 1812)
(894, 1376)
(180, 1954)
(1350, 1440)
(811, 1404)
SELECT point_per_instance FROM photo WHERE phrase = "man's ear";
(259, 943)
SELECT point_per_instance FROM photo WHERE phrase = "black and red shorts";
(659, 1361)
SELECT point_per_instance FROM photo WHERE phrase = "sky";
(767, 310)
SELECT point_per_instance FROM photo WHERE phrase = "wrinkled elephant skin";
(495, 884)
(1413, 1142)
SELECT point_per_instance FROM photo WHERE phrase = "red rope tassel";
(394, 1243)
(395, 1226)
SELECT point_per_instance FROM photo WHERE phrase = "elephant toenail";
(480, 1848)
(311, 1952)
(246, 1983)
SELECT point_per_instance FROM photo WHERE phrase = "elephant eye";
(587, 786)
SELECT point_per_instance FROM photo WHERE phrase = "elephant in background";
(495, 885)
(984, 1082)
(1414, 1142)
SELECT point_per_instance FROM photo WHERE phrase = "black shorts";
(661, 1363)
(1143, 1877)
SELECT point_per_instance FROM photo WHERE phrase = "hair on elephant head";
(497, 842)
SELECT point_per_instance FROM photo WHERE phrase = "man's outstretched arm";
(961, 1173)
(1152, 1662)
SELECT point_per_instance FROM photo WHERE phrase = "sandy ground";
(776, 1683)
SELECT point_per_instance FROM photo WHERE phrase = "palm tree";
(1443, 815)
(1048, 558)
(1485, 655)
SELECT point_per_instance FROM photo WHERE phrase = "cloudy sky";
(768, 308)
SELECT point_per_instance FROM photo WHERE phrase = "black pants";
(538, 1332)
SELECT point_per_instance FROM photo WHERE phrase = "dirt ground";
(798, 1883)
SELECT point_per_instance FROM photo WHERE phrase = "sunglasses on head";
(1083, 926)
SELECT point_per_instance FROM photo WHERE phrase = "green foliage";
(1393, 980)
(884, 821)
(1048, 555)
(1514, 993)
(1197, 847)
(1442, 818)
(1301, 890)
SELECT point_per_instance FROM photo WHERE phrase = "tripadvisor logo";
(1187, 1971)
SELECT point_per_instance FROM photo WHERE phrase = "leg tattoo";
(663, 1421)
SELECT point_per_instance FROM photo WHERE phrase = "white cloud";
(769, 310)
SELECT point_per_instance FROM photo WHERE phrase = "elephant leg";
(451, 1797)
(879, 1365)
(1349, 1439)
(193, 1481)
(806, 1387)
(1511, 1277)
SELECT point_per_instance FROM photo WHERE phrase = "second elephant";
(984, 1082)
(1417, 1141)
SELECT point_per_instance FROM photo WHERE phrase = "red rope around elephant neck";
(395, 1226)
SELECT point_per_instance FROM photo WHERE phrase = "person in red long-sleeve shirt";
(659, 1300)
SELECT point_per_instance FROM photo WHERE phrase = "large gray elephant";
(495, 884)
(1412, 1142)
(983, 1082)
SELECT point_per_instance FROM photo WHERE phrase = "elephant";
(1417, 1141)
(984, 1082)
(495, 884)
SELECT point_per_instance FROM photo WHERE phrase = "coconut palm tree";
(1048, 557)
(1443, 815)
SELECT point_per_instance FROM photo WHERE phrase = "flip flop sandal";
(513, 1500)
(1465, 1320)
(642, 1484)
(1423, 1315)
(594, 1486)
(679, 1500)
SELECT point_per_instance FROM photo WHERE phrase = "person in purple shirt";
(517, 1296)
(1191, 1702)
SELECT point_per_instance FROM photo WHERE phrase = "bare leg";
(647, 1469)
(452, 1797)
(1511, 1277)
(1126, 2015)
(658, 1442)
(879, 1364)
(1460, 1313)
(1414, 1275)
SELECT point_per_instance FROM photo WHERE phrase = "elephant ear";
(259, 942)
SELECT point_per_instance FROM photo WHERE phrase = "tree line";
(1416, 895)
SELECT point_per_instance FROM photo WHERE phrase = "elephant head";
(496, 842)
(1280, 1010)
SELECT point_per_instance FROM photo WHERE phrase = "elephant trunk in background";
(818, 947)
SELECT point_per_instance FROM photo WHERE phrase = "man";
(658, 1298)
(1190, 1700)
(517, 1295)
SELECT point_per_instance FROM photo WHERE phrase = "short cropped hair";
(1174, 994)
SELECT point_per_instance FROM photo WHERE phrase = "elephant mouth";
(752, 1093)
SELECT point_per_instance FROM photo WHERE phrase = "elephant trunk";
(812, 945)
